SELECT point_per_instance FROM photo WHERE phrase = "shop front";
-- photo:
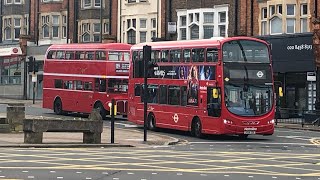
(293, 63)
(11, 73)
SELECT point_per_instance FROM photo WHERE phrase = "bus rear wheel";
(57, 106)
(196, 128)
(152, 122)
(102, 111)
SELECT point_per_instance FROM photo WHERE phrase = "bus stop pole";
(146, 58)
(112, 120)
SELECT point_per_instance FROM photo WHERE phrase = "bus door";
(214, 101)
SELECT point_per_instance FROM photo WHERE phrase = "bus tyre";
(243, 136)
(57, 106)
(196, 128)
(151, 122)
(102, 111)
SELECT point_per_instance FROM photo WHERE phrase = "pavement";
(123, 137)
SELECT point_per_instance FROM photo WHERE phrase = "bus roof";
(85, 46)
(215, 41)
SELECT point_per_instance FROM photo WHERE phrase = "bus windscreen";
(245, 51)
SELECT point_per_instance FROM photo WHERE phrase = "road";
(288, 154)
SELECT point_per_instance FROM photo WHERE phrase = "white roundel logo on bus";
(259, 74)
(175, 118)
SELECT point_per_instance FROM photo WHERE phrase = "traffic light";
(31, 64)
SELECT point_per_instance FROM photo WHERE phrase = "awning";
(12, 51)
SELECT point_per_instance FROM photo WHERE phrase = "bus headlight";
(225, 121)
(271, 121)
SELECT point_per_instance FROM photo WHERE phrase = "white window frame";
(294, 9)
(191, 19)
(294, 25)
(145, 23)
(16, 26)
(56, 25)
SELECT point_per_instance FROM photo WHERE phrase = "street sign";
(34, 78)
(311, 76)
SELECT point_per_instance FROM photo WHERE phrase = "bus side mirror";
(215, 94)
(280, 92)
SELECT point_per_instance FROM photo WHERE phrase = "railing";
(297, 116)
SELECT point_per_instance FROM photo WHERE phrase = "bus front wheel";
(196, 128)
(152, 122)
(58, 106)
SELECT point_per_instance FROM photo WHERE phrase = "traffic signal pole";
(146, 59)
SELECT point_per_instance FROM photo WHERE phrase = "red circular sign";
(15, 50)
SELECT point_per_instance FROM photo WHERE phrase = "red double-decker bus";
(214, 86)
(80, 77)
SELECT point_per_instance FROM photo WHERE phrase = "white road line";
(127, 125)
(263, 143)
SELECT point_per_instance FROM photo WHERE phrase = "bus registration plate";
(249, 130)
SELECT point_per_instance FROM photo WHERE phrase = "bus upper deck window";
(198, 55)
(60, 55)
(175, 55)
(114, 56)
(126, 56)
(69, 55)
(186, 55)
(89, 55)
(51, 55)
(212, 55)
(165, 56)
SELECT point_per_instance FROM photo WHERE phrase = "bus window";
(100, 85)
(78, 85)
(58, 83)
(141, 55)
(163, 94)
(87, 86)
(174, 95)
(69, 55)
(89, 55)
(212, 55)
(100, 55)
(114, 56)
(184, 96)
(126, 56)
(137, 90)
(60, 55)
(186, 55)
(165, 56)
(198, 55)
(155, 56)
(80, 55)
(51, 55)
(153, 94)
(68, 85)
(135, 56)
(175, 55)
(117, 85)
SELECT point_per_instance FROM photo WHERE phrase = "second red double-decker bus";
(80, 77)
(215, 86)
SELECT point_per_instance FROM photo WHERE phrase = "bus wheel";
(196, 128)
(100, 108)
(243, 136)
(58, 106)
(152, 122)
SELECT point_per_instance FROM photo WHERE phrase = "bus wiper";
(242, 51)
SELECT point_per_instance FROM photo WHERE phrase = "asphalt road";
(288, 154)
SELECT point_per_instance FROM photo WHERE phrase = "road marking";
(263, 143)
(127, 125)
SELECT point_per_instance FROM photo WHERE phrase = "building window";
(131, 1)
(143, 37)
(96, 32)
(275, 25)
(291, 25)
(264, 16)
(55, 26)
(304, 10)
(86, 37)
(26, 24)
(131, 36)
(13, 2)
(202, 23)
(272, 10)
(17, 28)
(87, 4)
(291, 9)
(154, 22)
(64, 26)
(7, 33)
(143, 23)
(45, 26)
